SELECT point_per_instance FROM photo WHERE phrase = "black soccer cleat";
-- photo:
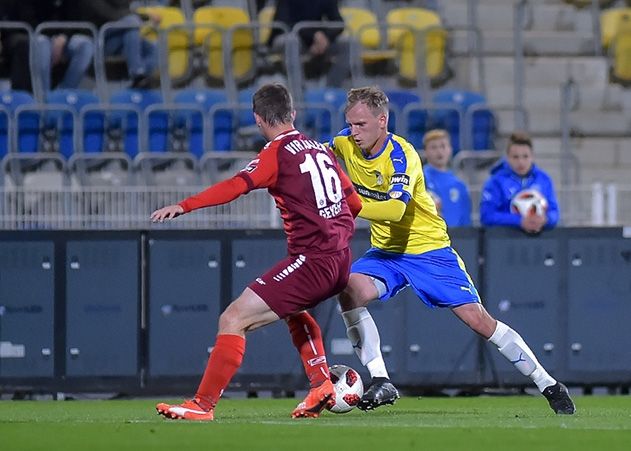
(559, 399)
(380, 393)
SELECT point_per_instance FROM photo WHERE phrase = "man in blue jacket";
(517, 172)
(450, 194)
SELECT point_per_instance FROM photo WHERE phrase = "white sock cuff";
(377, 368)
(500, 331)
(355, 316)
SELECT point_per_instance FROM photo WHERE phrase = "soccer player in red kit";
(317, 203)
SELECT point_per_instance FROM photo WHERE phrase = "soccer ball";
(529, 202)
(349, 388)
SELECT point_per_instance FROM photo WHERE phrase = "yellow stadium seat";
(609, 20)
(178, 41)
(265, 17)
(362, 23)
(621, 51)
(402, 22)
(210, 25)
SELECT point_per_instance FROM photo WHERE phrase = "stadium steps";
(499, 15)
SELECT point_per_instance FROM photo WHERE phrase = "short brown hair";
(519, 137)
(437, 133)
(372, 96)
(273, 103)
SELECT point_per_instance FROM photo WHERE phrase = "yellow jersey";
(395, 172)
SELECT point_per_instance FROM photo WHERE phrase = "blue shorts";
(438, 277)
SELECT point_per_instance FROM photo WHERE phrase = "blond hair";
(372, 96)
(437, 133)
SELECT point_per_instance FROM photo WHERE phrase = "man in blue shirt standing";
(511, 176)
(450, 194)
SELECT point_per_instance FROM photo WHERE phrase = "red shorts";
(300, 282)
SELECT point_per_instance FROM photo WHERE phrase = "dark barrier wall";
(137, 311)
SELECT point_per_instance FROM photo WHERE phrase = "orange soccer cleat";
(188, 410)
(316, 400)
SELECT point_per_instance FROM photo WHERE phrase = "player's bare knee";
(477, 318)
(230, 322)
(346, 301)
(483, 325)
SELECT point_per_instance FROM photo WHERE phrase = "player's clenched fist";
(168, 212)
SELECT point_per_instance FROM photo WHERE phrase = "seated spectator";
(70, 52)
(140, 54)
(75, 52)
(449, 192)
(325, 46)
(15, 49)
(509, 178)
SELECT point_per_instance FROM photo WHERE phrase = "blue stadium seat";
(244, 98)
(323, 115)
(231, 121)
(9, 102)
(204, 99)
(479, 134)
(122, 123)
(399, 99)
(62, 121)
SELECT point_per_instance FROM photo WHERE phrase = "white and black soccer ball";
(349, 388)
(529, 202)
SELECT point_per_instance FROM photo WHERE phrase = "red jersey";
(309, 189)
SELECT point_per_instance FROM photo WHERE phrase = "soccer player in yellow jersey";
(410, 246)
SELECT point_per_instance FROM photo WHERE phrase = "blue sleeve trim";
(397, 157)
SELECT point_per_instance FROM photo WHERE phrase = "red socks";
(227, 356)
(307, 338)
(225, 359)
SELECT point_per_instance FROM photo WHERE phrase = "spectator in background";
(514, 174)
(15, 49)
(325, 46)
(70, 53)
(140, 54)
(450, 194)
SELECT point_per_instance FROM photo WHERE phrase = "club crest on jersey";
(252, 165)
(379, 178)
(454, 195)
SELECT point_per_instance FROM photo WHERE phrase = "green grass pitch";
(480, 423)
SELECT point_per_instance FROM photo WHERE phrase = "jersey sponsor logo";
(331, 211)
(400, 179)
(290, 268)
(317, 360)
(260, 281)
(372, 194)
(252, 165)
(395, 194)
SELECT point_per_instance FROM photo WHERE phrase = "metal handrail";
(227, 43)
(518, 41)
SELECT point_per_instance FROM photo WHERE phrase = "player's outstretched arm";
(168, 212)
(387, 210)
